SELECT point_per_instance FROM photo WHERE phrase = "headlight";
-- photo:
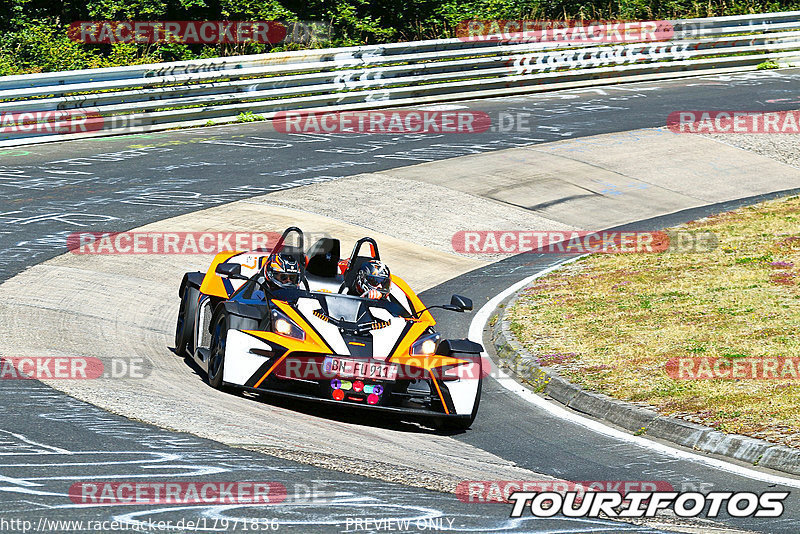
(281, 324)
(425, 345)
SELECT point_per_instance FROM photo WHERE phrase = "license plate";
(360, 369)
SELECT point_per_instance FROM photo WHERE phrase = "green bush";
(42, 46)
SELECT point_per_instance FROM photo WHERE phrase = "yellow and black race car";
(312, 340)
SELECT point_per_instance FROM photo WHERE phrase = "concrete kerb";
(518, 361)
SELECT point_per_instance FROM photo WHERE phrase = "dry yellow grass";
(611, 322)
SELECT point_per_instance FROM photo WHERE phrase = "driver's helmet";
(373, 279)
(283, 270)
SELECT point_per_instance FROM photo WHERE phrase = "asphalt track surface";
(119, 183)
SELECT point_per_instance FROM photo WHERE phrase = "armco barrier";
(188, 93)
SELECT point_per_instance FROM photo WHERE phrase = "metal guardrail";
(189, 93)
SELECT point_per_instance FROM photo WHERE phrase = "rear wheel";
(184, 328)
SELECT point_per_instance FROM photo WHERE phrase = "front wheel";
(219, 344)
(216, 363)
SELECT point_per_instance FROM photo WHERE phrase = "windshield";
(355, 309)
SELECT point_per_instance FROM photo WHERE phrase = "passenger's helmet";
(283, 270)
(373, 276)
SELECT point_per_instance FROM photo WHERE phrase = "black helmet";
(283, 270)
(373, 275)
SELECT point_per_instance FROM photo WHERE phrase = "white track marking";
(46, 448)
(476, 328)
(443, 107)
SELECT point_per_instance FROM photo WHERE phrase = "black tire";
(462, 424)
(219, 338)
(216, 362)
(184, 328)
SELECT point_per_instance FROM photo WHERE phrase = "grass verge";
(610, 323)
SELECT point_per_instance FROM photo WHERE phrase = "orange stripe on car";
(274, 365)
(255, 263)
(439, 391)
(291, 346)
(312, 343)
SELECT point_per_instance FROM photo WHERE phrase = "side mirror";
(461, 304)
(230, 270)
(457, 304)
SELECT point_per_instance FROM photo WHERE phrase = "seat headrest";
(324, 257)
